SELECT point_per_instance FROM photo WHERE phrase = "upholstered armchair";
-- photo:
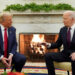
(2, 66)
(63, 65)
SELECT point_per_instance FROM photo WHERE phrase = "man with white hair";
(67, 38)
(8, 44)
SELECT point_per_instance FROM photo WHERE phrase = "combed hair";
(3, 14)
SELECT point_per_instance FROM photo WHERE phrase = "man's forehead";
(66, 15)
(7, 17)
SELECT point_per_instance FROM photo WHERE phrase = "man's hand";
(5, 62)
(73, 56)
(10, 59)
(45, 44)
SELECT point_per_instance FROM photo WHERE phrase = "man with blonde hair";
(8, 44)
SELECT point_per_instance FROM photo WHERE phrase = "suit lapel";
(1, 38)
(73, 39)
(9, 37)
(65, 35)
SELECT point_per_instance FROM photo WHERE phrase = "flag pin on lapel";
(10, 32)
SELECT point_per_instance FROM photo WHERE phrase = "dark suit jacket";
(12, 44)
(62, 39)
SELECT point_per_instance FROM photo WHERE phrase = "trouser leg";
(19, 61)
(50, 57)
(73, 67)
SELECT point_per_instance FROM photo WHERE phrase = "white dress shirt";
(72, 31)
(2, 29)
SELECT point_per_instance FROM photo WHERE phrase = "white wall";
(37, 28)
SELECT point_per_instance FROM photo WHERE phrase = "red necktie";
(5, 42)
(69, 37)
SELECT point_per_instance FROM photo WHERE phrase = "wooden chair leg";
(68, 72)
(5, 69)
(12, 68)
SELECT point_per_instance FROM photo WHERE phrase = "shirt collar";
(2, 27)
(73, 26)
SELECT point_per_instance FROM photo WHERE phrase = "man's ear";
(1, 19)
(73, 19)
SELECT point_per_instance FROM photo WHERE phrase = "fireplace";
(28, 45)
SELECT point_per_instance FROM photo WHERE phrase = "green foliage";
(63, 7)
(16, 7)
(14, 70)
(25, 7)
(35, 7)
(4, 73)
(47, 7)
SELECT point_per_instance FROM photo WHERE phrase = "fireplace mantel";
(35, 14)
(30, 13)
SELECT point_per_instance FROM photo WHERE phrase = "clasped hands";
(7, 61)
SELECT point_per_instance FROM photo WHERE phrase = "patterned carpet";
(35, 74)
(41, 71)
(32, 69)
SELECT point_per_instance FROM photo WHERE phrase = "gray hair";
(3, 14)
(71, 14)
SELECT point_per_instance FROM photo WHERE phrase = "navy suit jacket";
(12, 44)
(62, 39)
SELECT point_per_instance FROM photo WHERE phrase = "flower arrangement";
(13, 73)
